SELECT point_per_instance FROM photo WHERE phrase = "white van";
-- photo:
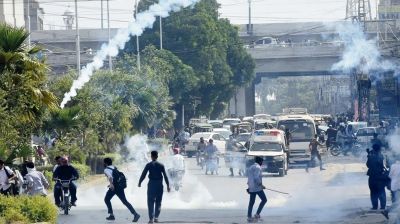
(270, 145)
(302, 130)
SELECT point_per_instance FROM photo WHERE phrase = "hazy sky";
(263, 11)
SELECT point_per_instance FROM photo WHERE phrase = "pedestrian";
(313, 146)
(377, 180)
(115, 188)
(394, 176)
(155, 186)
(376, 141)
(211, 157)
(256, 188)
(36, 182)
(6, 175)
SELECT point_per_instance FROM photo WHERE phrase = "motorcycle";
(65, 195)
(176, 177)
(354, 147)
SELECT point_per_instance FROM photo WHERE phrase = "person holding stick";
(256, 188)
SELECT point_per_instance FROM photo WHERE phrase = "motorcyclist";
(178, 161)
(331, 135)
(176, 170)
(341, 136)
(65, 172)
(200, 149)
(350, 136)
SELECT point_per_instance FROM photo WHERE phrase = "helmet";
(175, 150)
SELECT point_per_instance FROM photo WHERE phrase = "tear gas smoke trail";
(143, 20)
(359, 53)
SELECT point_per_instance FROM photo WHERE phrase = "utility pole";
(183, 116)
(28, 14)
(102, 16)
(161, 34)
(109, 34)
(78, 47)
(137, 38)
(250, 26)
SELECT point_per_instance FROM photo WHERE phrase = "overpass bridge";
(278, 61)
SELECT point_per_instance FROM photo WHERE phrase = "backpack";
(119, 179)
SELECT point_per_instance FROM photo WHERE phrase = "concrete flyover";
(280, 60)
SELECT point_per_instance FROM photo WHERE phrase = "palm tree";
(23, 75)
(24, 96)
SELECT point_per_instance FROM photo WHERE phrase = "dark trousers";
(313, 155)
(253, 195)
(154, 198)
(6, 192)
(58, 193)
(121, 195)
(377, 192)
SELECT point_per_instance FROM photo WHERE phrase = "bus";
(302, 130)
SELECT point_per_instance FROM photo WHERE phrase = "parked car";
(219, 142)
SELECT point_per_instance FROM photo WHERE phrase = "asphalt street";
(339, 194)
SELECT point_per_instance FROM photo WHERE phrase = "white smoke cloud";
(360, 53)
(135, 28)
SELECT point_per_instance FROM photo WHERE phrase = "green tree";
(208, 44)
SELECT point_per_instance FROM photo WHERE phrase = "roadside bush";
(49, 177)
(83, 170)
(26, 209)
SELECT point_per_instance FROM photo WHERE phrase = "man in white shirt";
(115, 190)
(178, 162)
(36, 181)
(6, 175)
(256, 188)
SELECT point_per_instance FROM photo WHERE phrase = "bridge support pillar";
(243, 102)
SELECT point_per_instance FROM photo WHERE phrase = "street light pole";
(28, 14)
(78, 47)
(109, 35)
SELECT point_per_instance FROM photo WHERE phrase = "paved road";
(337, 195)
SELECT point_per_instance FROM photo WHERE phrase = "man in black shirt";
(155, 187)
(314, 153)
(65, 172)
